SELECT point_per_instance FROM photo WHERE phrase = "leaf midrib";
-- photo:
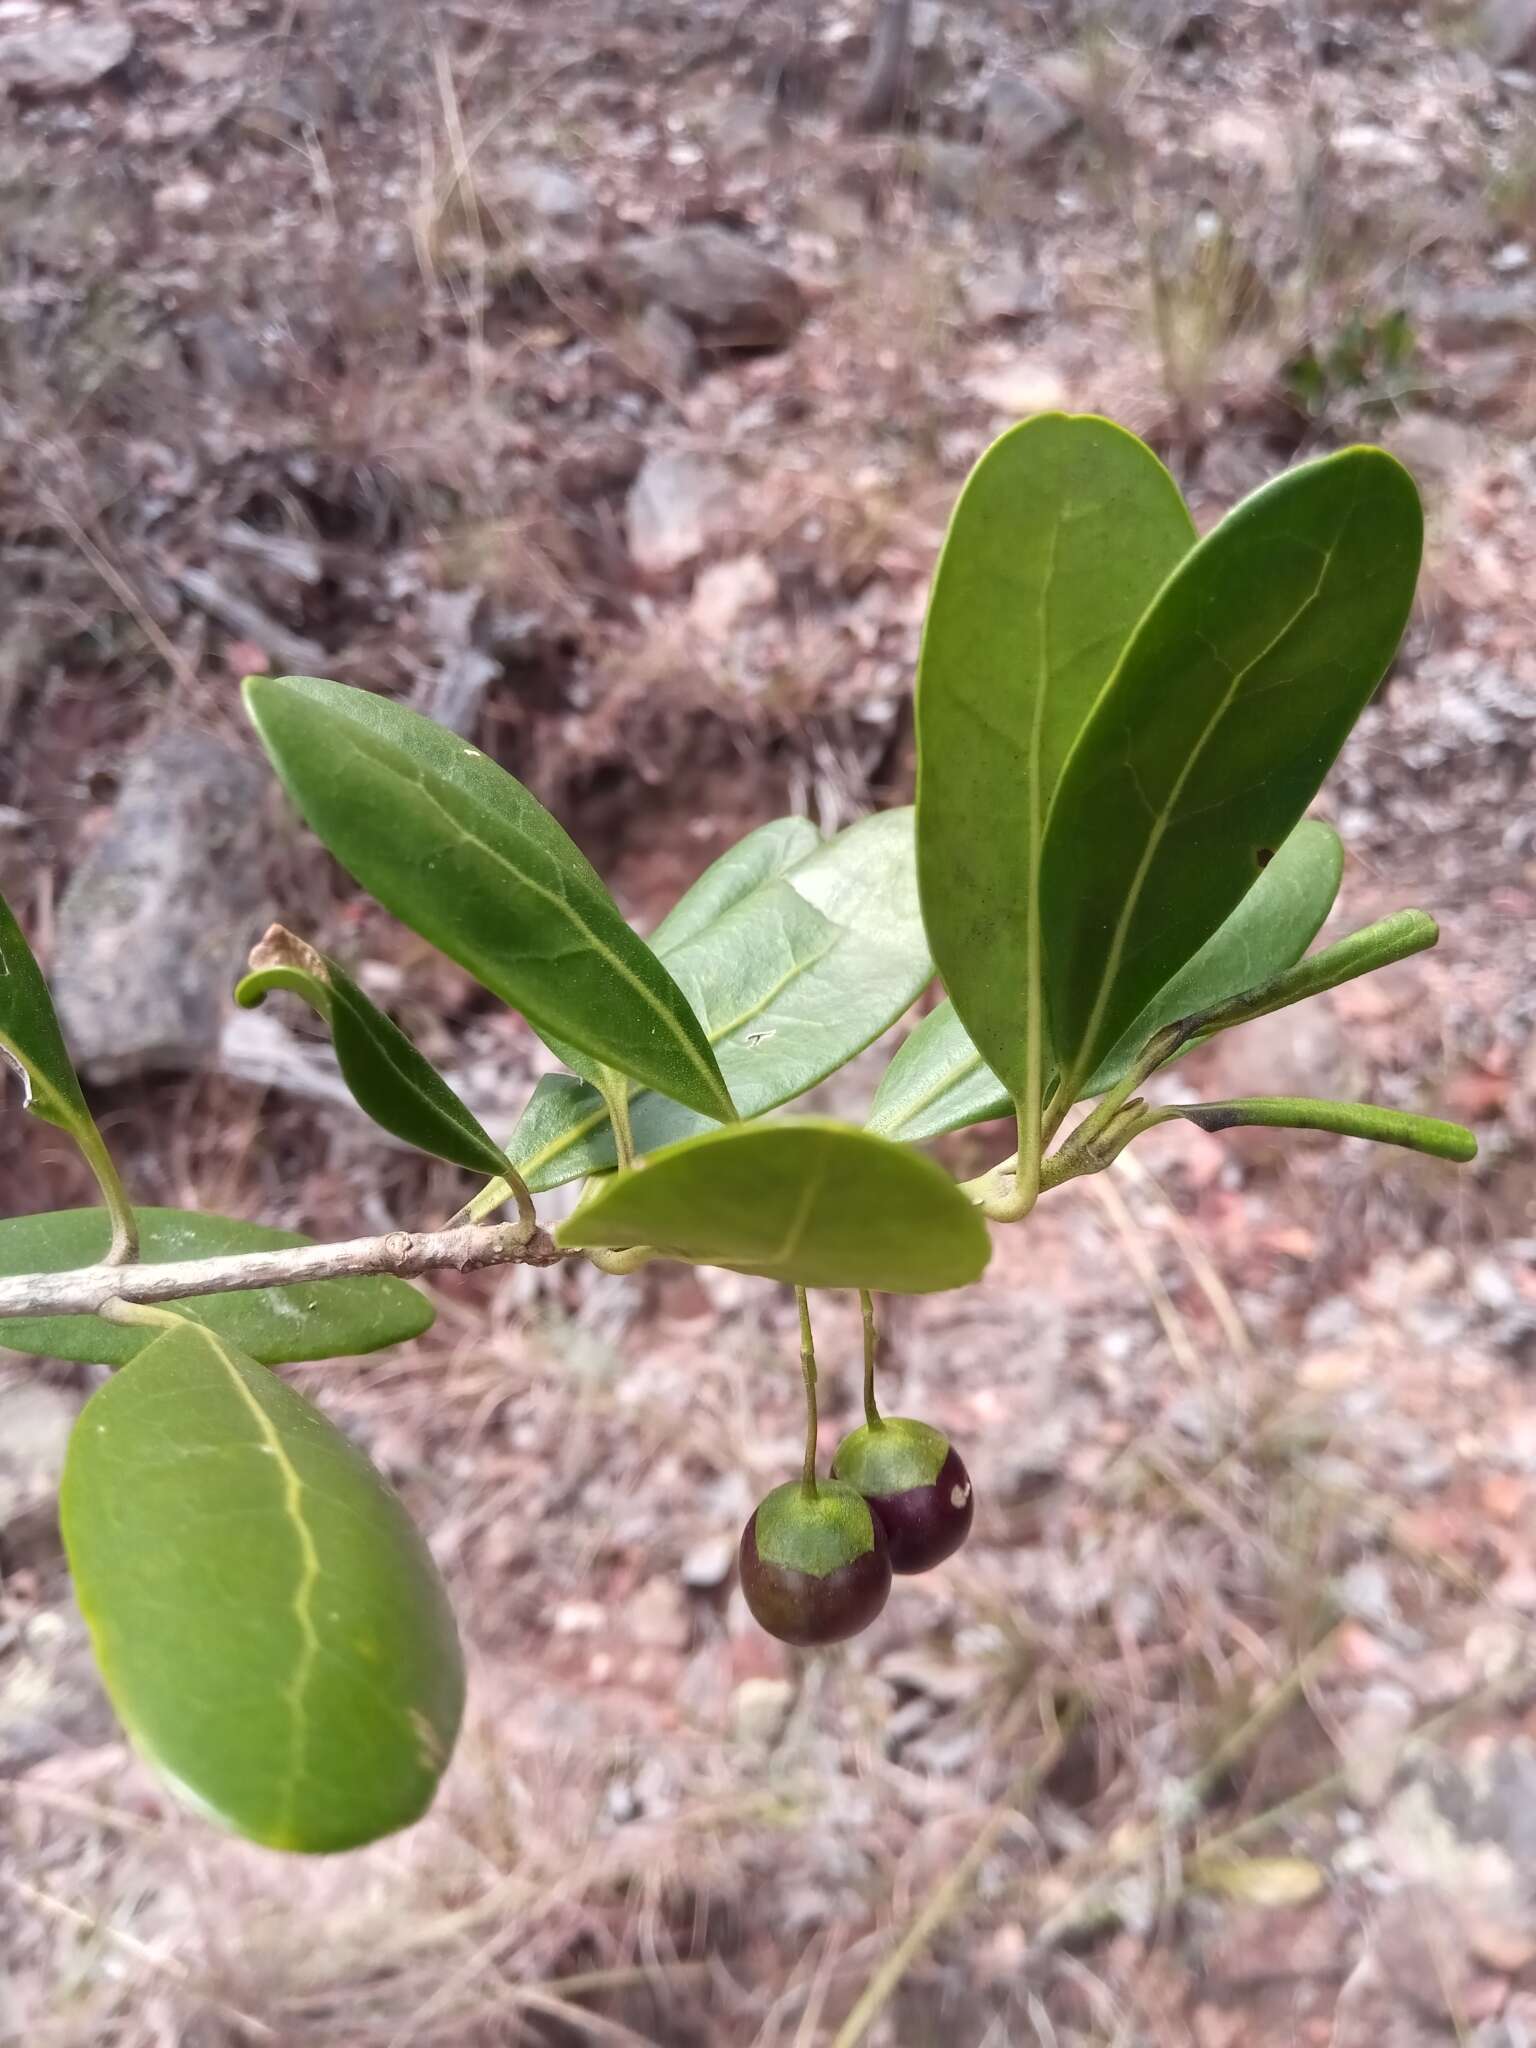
(296, 1690)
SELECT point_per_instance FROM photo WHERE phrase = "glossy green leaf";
(1344, 1119)
(1268, 932)
(268, 1622)
(801, 1199)
(1225, 712)
(389, 1079)
(30, 1038)
(1064, 533)
(276, 1325)
(939, 1082)
(464, 855)
(792, 964)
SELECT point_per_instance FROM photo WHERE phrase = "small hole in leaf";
(1264, 856)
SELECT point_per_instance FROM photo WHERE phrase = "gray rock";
(63, 54)
(1023, 119)
(546, 193)
(728, 292)
(1007, 290)
(1469, 314)
(678, 505)
(156, 919)
(708, 1563)
(1465, 1829)
(759, 1709)
(1508, 30)
(668, 349)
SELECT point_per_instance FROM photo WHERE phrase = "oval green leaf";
(275, 1325)
(1225, 712)
(939, 1082)
(389, 1079)
(1064, 532)
(795, 954)
(804, 1200)
(267, 1620)
(461, 852)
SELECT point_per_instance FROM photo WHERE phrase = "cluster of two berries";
(817, 1559)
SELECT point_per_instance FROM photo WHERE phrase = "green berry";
(917, 1486)
(814, 1567)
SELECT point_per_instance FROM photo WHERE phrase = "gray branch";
(85, 1289)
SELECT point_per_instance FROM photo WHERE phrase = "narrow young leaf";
(1345, 1119)
(389, 1079)
(464, 855)
(939, 1082)
(802, 1199)
(30, 1038)
(268, 1622)
(1064, 532)
(1226, 710)
(275, 1325)
(794, 953)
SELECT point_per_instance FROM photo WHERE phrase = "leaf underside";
(794, 954)
(797, 1199)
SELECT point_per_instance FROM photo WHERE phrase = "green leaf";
(792, 964)
(1268, 932)
(389, 1079)
(1064, 533)
(768, 851)
(1227, 708)
(464, 855)
(803, 1199)
(936, 1082)
(1344, 1119)
(277, 1325)
(30, 1037)
(1374, 946)
(939, 1082)
(267, 1620)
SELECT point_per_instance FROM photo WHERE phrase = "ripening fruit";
(814, 1567)
(919, 1490)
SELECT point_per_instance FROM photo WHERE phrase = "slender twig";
(84, 1289)
(808, 1373)
(871, 1346)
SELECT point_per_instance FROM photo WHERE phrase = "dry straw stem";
(85, 1290)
